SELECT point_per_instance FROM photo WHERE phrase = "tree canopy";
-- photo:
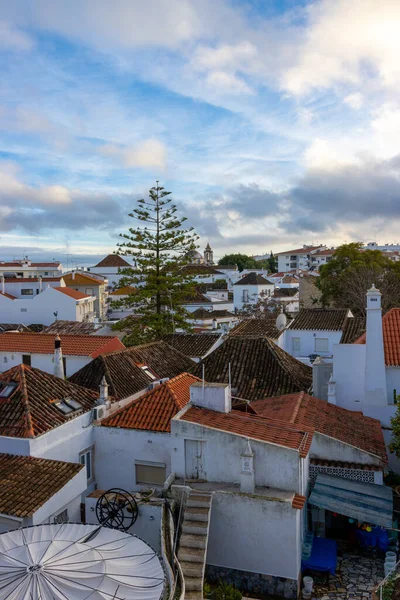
(160, 247)
(243, 261)
(344, 281)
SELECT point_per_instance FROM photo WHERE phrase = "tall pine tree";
(160, 248)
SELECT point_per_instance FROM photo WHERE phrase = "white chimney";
(375, 372)
(247, 471)
(40, 280)
(214, 323)
(58, 359)
(103, 398)
(73, 275)
(331, 390)
(214, 396)
(3, 284)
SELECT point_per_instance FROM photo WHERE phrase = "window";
(245, 296)
(26, 359)
(86, 458)
(46, 273)
(6, 389)
(321, 345)
(296, 344)
(149, 374)
(24, 310)
(63, 407)
(26, 292)
(62, 517)
(150, 473)
(64, 365)
(89, 291)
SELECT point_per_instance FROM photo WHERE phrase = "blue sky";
(273, 123)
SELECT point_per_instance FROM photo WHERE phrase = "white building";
(110, 268)
(59, 302)
(90, 285)
(27, 287)
(115, 313)
(26, 268)
(250, 289)
(298, 259)
(37, 350)
(314, 332)
(321, 257)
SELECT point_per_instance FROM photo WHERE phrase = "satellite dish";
(117, 509)
(281, 321)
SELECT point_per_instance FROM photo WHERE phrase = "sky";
(274, 123)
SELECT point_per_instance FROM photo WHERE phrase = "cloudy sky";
(274, 123)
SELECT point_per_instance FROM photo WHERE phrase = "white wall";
(68, 497)
(307, 342)
(326, 448)
(254, 292)
(116, 452)
(275, 466)
(39, 308)
(15, 286)
(110, 273)
(44, 362)
(213, 305)
(254, 534)
(18, 446)
(392, 382)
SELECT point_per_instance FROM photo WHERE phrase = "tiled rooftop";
(75, 294)
(258, 367)
(20, 264)
(252, 427)
(71, 327)
(253, 279)
(203, 313)
(26, 482)
(78, 278)
(298, 501)
(256, 328)
(354, 327)
(154, 410)
(201, 270)
(391, 337)
(285, 292)
(124, 291)
(350, 427)
(42, 343)
(320, 319)
(193, 345)
(30, 409)
(305, 250)
(31, 279)
(112, 260)
(123, 371)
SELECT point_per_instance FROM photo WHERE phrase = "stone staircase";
(193, 542)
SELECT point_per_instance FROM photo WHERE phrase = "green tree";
(344, 281)
(243, 261)
(394, 445)
(161, 248)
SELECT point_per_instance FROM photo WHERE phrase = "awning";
(366, 502)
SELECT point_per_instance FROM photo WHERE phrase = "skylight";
(74, 404)
(64, 408)
(149, 374)
(6, 389)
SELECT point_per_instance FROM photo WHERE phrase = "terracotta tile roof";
(72, 293)
(201, 270)
(391, 337)
(259, 368)
(253, 279)
(320, 319)
(8, 296)
(350, 427)
(20, 264)
(81, 279)
(113, 260)
(192, 344)
(285, 292)
(4, 327)
(305, 250)
(30, 409)
(289, 279)
(256, 328)
(30, 279)
(325, 252)
(154, 410)
(203, 313)
(124, 291)
(71, 327)
(298, 501)
(354, 327)
(217, 285)
(196, 297)
(123, 371)
(252, 427)
(27, 482)
(42, 343)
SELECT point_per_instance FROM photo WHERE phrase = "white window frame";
(83, 461)
(296, 344)
(316, 340)
(245, 296)
(26, 291)
(146, 463)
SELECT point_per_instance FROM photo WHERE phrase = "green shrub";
(227, 591)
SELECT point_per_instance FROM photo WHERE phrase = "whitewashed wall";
(44, 362)
(307, 342)
(326, 448)
(254, 292)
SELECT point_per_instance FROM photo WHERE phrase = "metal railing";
(381, 586)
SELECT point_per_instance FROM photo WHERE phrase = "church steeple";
(208, 255)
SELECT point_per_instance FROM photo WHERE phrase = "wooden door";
(194, 459)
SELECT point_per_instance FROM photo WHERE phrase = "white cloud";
(12, 187)
(236, 57)
(322, 154)
(386, 130)
(345, 42)
(355, 100)
(227, 83)
(12, 38)
(149, 153)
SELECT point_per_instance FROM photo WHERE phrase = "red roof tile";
(43, 343)
(391, 337)
(350, 427)
(113, 260)
(78, 279)
(28, 482)
(8, 296)
(154, 410)
(254, 427)
(305, 250)
(298, 501)
(72, 293)
(30, 279)
(124, 291)
(30, 409)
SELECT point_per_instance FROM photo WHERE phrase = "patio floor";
(356, 576)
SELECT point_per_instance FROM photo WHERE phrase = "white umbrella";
(77, 562)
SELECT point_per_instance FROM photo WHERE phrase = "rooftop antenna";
(229, 375)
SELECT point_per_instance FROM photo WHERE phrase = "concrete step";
(199, 501)
(200, 493)
(193, 596)
(196, 527)
(193, 541)
(197, 514)
(188, 554)
(194, 583)
(192, 569)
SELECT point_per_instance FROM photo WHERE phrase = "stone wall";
(255, 583)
